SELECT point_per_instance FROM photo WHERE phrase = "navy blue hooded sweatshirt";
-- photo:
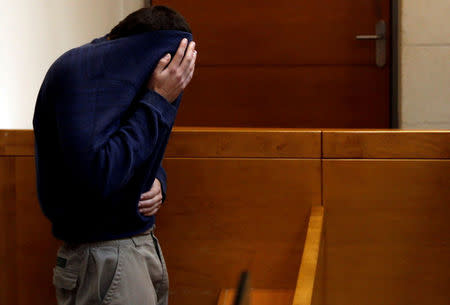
(100, 136)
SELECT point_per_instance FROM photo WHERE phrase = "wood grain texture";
(390, 144)
(28, 250)
(8, 262)
(387, 232)
(307, 273)
(288, 97)
(259, 296)
(228, 215)
(16, 142)
(36, 247)
(244, 142)
(294, 64)
(288, 33)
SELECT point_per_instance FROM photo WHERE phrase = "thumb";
(163, 63)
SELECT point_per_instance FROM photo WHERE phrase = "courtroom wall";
(424, 64)
(34, 34)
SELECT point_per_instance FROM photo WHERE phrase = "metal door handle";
(380, 45)
(369, 37)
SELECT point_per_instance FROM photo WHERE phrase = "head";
(150, 19)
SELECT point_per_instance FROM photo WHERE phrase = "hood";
(130, 59)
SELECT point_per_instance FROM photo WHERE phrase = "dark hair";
(150, 19)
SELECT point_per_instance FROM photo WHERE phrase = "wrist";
(164, 94)
(160, 93)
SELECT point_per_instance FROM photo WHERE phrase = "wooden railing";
(307, 275)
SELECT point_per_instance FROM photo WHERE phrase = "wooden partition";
(240, 199)
(237, 199)
(387, 197)
(27, 248)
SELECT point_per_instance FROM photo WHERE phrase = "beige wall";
(424, 77)
(34, 34)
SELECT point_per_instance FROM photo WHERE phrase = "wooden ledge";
(386, 144)
(16, 142)
(211, 142)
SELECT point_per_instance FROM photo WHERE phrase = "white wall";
(425, 64)
(34, 34)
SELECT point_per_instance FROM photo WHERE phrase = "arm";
(102, 168)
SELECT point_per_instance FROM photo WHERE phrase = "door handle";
(380, 44)
(369, 37)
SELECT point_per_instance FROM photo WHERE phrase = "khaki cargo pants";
(128, 271)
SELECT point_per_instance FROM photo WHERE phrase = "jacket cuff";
(157, 102)
(161, 176)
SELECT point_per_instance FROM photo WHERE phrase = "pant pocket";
(64, 278)
(105, 269)
(157, 248)
(162, 289)
(66, 274)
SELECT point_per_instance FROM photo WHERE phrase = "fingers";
(150, 206)
(163, 63)
(179, 54)
(188, 59)
(154, 190)
(150, 194)
(150, 211)
(190, 71)
(169, 79)
(149, 202)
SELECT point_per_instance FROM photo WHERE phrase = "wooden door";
(286, 64)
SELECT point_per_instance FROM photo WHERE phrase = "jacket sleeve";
(103, 168)
(162, 177)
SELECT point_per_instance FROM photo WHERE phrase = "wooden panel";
(36, 247)
(288, 32)
(260, 296)
(244, 142)
(16, 142)
(307, 96)
(8, 266)
(28, 250)
(386, 144)
(388, 232)
(310, 257)
(223, 216)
